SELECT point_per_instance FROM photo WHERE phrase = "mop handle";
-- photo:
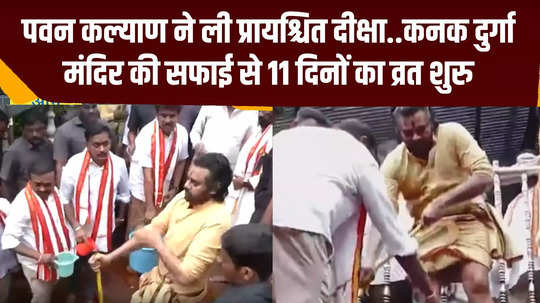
(99, 288)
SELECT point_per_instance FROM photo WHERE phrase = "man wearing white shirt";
(325, 183)
(241, 198)
(400, 289)
(7, 257)
(36, 229)
(222, 129)
(161, 150)
(92, 181)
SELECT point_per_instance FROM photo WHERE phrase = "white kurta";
(90, 191)
(7, 256)
(142, 157)
(221, 132)
(19, 227)
(241, 203)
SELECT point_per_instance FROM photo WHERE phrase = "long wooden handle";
(99, 288)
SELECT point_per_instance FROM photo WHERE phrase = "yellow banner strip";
(262, 108)
(18, 92)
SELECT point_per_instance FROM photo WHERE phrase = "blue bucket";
(65, 263)
(143, 260)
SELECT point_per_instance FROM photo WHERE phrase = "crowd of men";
(193, 183)
(338, 197)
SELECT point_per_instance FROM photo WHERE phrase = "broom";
(99, 287)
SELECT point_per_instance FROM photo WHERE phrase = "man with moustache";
(37, 231)
(161, 150)
(33, 146)
(142, 114)
(319, 212)
(442, 173)
(92, 182)
(186, 236)
(69, 138)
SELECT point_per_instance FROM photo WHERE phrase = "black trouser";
(400, 292)
(83, 281)
(119, 235)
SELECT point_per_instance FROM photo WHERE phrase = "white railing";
(501, 172)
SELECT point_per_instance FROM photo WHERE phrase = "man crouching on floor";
(186, 236)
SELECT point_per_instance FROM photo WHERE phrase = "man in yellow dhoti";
(186, 236)
(442, 172)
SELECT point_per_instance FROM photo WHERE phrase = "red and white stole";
(44, 226)
(357, 263)
(162, 166)
(106, 190)
(259, 149)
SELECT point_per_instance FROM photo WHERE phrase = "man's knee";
(476, 282)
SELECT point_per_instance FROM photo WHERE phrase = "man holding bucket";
(91, 183)
(186, 236)
(37, 231)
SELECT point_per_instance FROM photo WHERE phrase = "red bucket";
(86, 247)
